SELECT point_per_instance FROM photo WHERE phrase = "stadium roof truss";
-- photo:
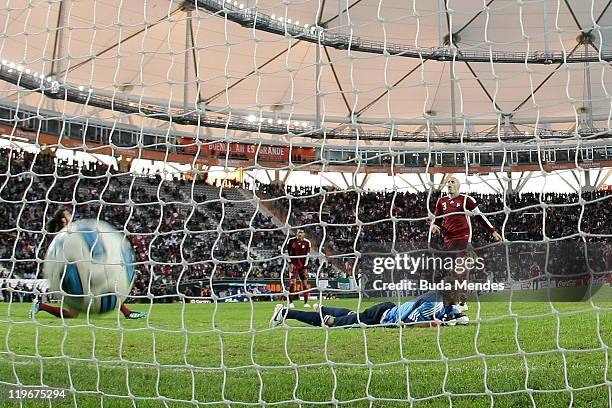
(388, 71)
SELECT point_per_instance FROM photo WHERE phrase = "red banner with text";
(248, 150)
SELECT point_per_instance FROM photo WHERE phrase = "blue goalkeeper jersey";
(423, 309)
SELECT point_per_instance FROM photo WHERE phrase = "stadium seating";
(174, 223)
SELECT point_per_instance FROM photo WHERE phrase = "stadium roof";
(145, 52)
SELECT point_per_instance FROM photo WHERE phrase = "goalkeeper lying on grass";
(428, 310)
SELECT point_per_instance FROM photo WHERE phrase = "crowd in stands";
(351, 222)
(185, 231)
(178, 236)
(526, 216)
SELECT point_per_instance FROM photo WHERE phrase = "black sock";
(311, 318)
(335, 311)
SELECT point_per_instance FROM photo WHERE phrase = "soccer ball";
(91, 265)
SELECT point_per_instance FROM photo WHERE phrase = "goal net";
(395, 136)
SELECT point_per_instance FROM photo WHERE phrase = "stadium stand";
(196, 230)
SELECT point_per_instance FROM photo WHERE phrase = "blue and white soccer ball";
(91, 265)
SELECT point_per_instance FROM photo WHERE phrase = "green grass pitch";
(521, 353)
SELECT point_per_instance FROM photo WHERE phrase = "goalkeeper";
(428, 310)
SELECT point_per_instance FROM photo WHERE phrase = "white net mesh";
(210, 132)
